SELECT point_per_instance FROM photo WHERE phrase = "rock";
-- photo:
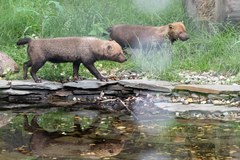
(153, 85)
(194, 95)
(217, 102)
(86, 92)
(31, 85)
(183, 93)
(4, 84)
(16, 92)
(213, 97)
(210, 89)
(203, 102)
(88, 84)
(7, 64)
(185, 102)
(33, 99)
(209, 77)
(177, 107)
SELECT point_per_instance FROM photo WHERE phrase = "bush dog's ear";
(171, 26)
(109, 47)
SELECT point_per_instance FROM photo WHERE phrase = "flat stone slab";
(154, 85)
(31, 85)
(88, 84)
(178, 107)
(4, 84)
(210, 89)
(15, 92)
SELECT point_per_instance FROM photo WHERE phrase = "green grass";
(216, 48)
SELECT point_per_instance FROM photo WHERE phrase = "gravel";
(210, 77)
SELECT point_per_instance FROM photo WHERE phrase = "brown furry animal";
(85, 50)
(136, 36)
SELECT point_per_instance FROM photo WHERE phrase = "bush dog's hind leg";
(76, 70)
(26, 65)
(34, 69)
(95, 72)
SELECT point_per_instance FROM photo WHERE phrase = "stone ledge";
(29, 85)
(210, 89)
(178, 107)
(28, 91)
(202, 111)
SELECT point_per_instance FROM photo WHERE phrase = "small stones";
(185, 102)
(210, 77)
(217, 102)
(222, 99)
(74, 99)
(203, 102)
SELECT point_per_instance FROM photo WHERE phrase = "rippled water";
(74, 133)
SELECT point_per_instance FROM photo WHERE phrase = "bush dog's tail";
(23, 41)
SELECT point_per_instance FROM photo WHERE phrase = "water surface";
(72, 133)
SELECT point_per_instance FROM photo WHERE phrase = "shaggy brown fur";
(137, 36)
(85, 50)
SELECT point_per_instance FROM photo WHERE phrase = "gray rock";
(153, 85)
(217, 102)
(213, 97)
(177, 107)
(4, 84)
(31, 85)
(116, 87)
(194, 95)
(33, 99)
(183, 93)
(14, 106)
(15, 92)
(150, 92)
(86, 92)
(7, 64)
(88, 84)
(210, 89)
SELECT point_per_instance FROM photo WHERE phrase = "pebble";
(188, 77)
(210, 77)
(217, 102)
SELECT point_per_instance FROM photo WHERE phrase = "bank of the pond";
(89, 91)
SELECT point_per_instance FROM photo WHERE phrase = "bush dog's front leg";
(95, 72)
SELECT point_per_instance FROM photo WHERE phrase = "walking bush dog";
(136, 36)
(85, 50)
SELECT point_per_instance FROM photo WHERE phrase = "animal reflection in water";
(75, 144)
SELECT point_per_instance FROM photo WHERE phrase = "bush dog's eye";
(117, 55)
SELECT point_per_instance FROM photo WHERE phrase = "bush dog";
(136, 36)
(85, 50)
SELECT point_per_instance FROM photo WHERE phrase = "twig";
(134, 115)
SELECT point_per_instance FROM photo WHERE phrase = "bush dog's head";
(177, 31)
(114, 52)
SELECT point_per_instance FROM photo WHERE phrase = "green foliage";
(210, 48)
(216, 50)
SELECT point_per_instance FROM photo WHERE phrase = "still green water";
(73, 133)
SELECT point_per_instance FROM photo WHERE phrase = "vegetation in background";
(213, 48)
